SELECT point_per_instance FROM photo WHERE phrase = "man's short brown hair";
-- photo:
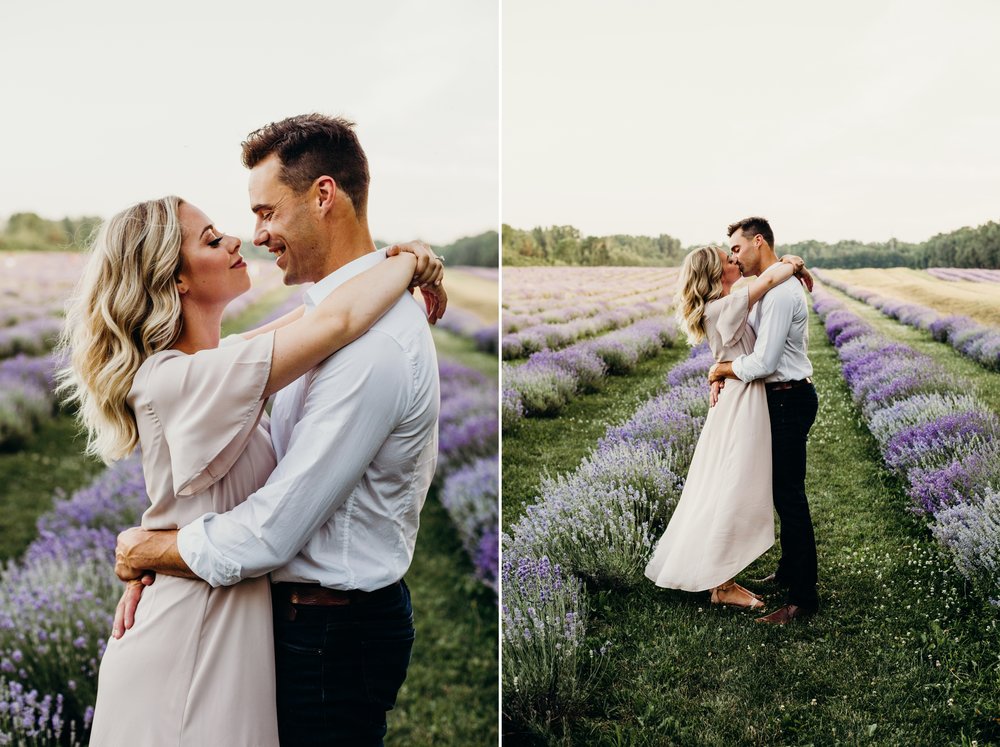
(751, 227)
(310, 146)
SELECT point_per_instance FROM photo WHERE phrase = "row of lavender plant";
(968, 274)
(552, 336)
(56, 609)
(466, 324)
(26, 397)
(597, 526)
(942, 441)
(539, 295)
(550, 379)
(57, 603)
(970, 338)
(468, 468)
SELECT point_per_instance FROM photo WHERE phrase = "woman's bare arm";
(281, 321)
(341, 318)
(773, 276)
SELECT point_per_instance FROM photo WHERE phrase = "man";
(780, 358)
(356, 441)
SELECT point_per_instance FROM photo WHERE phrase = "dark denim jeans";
(793, 412)
(339, 669)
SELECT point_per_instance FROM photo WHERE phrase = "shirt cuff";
(738, 369)
(202, 558)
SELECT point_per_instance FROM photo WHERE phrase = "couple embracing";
(323, 496)
(750, 459)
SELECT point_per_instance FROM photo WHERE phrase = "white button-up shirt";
(781, 321)
(356, 441)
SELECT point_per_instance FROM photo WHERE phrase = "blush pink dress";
(724, 519)
(197, 668)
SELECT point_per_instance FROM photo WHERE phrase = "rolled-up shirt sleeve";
(777, 310)
(354, 403)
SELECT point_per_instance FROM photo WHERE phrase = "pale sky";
(109, 103)
(850, 120)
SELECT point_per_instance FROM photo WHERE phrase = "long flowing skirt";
(724, 519)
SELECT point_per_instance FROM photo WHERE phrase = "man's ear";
(326, 192)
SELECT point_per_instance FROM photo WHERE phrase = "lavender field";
(903, 487)
(57, 596)
(971, 338)
(566, 329)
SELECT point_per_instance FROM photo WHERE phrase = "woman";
(724, 519)
(147, 371)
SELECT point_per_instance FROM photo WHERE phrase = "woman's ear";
(182, 286)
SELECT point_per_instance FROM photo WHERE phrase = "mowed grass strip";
(896, 656)
(555, 445)
(981, 301)
(985, 382)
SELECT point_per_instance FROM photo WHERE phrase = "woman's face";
(212, 269)
(730, 270)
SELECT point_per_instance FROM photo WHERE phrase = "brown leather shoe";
(784, 615)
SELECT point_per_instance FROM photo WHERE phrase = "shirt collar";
(338, 277)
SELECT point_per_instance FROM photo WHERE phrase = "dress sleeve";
(208, 405)
(730, 315)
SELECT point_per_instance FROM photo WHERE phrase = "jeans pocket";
(384, 663)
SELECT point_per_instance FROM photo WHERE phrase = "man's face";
(745, 251)
(285, 224)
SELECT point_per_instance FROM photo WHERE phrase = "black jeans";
(339, 668)
(793, 412)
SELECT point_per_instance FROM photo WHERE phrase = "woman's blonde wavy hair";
(125, 308)
(700, 282)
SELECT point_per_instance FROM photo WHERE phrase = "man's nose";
(260, 237)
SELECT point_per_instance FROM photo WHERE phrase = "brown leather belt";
(777, 386)
(314, 595)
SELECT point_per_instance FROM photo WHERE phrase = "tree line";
(564, 245)
(481, 250)
(31, 232)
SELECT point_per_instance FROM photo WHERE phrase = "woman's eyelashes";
(215, 242)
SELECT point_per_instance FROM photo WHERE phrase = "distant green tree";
(481, 250)
(31, 232)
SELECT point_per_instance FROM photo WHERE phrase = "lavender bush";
(470, 496)
(549, 380)
(544, 650)
(970, 532)
(600, 520)
(467, 427)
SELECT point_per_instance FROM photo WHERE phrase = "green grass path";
(558, 444)
(986, 382)
(896, 656)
